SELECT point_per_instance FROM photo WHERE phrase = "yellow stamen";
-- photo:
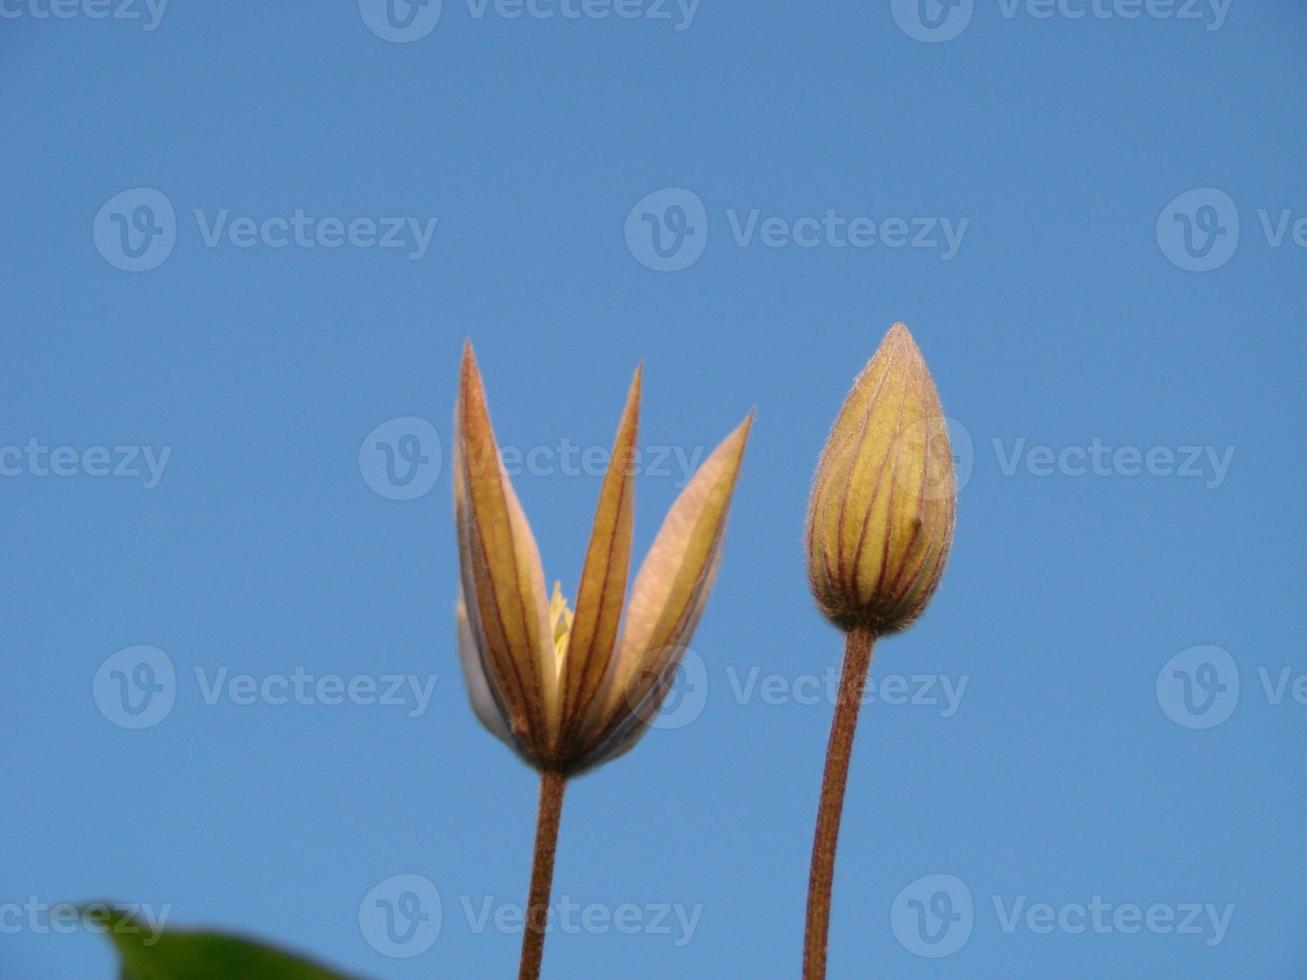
(560, 618)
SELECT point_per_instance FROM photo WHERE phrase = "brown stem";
(857, 660)
(550, 812)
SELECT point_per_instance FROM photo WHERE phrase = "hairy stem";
(550, 812)
(857, 660)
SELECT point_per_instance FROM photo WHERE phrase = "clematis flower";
(880, 524)
(880, 519)
(569, 689)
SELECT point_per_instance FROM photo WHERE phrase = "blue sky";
(239, 243)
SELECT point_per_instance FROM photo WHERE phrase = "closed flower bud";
(880, 520)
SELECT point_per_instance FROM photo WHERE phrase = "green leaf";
(194, 955)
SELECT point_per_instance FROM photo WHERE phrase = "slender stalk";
(550, 812)
(857, 661)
